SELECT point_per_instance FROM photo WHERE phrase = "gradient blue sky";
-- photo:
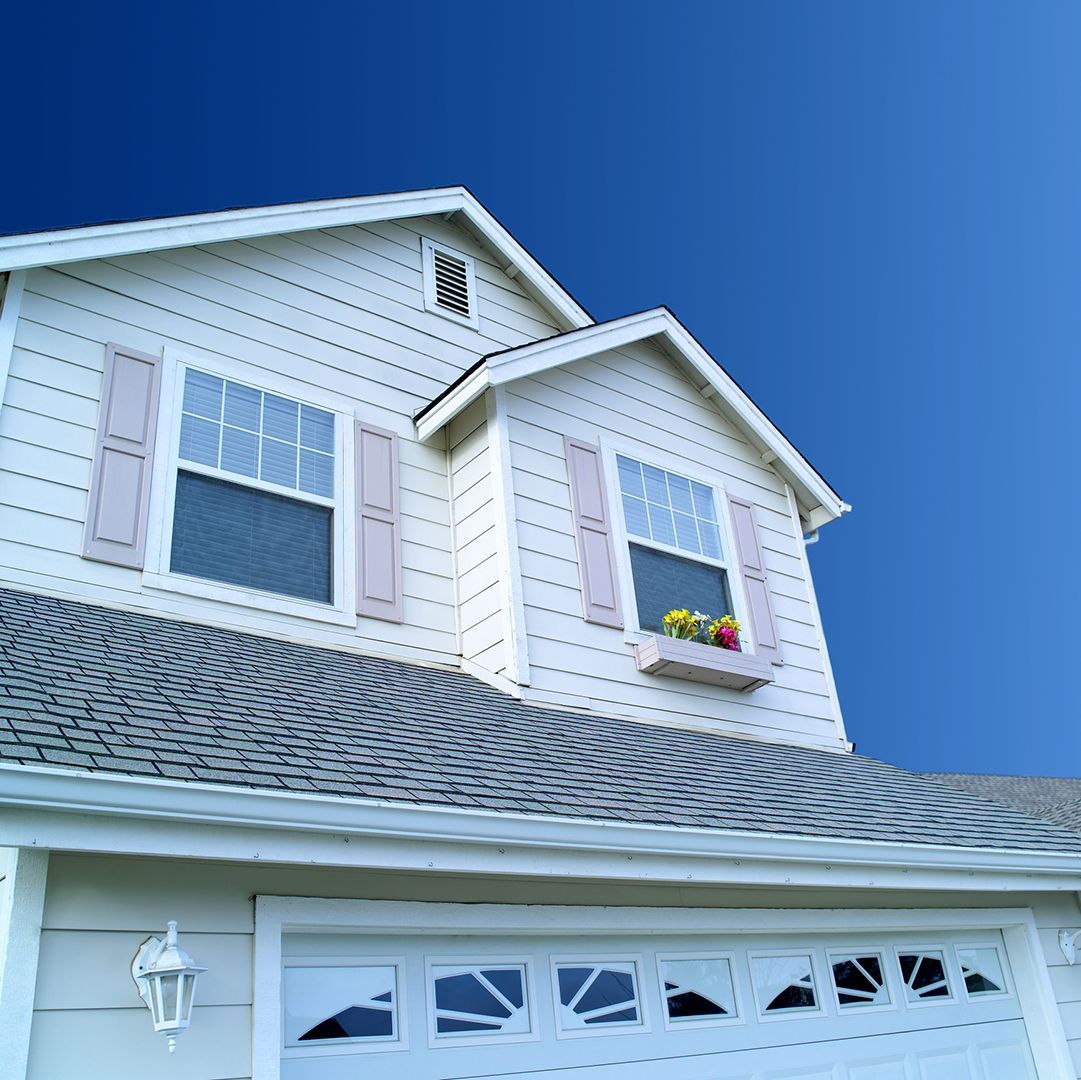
(870, 212)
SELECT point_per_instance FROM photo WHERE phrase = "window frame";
(437, 1041)
(990, 995)
(348, 1047)
(428, 249)
(633, 632)
(694, 1023)
(599, 959)
(891, 980)
(814, 954)
(157, 574)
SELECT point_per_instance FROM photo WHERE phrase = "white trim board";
(155, 234)
(77, 811)
(10, 304)
(821, 502)
(275, 915)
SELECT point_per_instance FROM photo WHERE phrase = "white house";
(335, 542)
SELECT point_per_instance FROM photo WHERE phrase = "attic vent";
(450, 287)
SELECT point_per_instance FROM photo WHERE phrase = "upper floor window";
(255, 487)
(676, 555)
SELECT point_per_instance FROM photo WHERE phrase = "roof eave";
(819, 502)
(27, 250)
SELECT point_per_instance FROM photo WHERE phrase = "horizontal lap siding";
(337, 311)
(637, 394)
(89, 1022)
(476, 554)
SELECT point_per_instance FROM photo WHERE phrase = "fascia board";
(71, 810)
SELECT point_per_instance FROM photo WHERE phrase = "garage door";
(422, 1007)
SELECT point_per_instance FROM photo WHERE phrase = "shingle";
(116, 691)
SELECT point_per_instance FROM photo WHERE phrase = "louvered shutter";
(755, 583)
(119, 500)
(379, 557)
(593, 534)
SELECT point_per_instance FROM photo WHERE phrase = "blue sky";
(869, 212)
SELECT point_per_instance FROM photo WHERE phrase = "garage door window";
(858, 979)
(924, 975)
(340, 1004)
(784, 983)
(698, 989)
(597, 995)
(981, 968)
(480, 1000)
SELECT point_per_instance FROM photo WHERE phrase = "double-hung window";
(674, 536)
(255, 490)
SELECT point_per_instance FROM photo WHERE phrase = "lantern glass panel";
(169, 996)
(186, 998)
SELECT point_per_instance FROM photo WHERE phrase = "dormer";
(605, 476)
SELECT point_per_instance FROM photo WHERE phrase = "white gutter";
(70, 810)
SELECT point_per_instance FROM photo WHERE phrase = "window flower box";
(681, 659)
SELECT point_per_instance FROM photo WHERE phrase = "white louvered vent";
(450, 284)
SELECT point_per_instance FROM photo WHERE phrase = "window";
(858, 980)
(356, 1004)
(597, 995)
(480, 1000)
(981, 968)
(697, 990)
(784, 983)
(450, 284)
(674, 535)
(255, 486)
(924, 975)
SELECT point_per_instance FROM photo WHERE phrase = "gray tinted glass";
(663, 582)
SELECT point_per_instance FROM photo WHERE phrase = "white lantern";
(165, 976)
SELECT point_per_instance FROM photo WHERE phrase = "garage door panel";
(611, 1016)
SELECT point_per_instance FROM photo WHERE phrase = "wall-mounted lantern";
(165, 976)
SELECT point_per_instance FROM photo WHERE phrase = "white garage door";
(885, 1007)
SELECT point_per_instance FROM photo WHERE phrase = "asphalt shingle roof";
(1053, 798)
(113, 691)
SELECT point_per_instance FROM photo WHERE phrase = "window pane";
(630, 477)
(924, 975)
(480, 1000)
(279, 464)
(635, 516)
(316, 473)
(711, 539)
(656, 487)
(680, 490)
(202, 394)
(858, 980)
(698, 989)
(597, 994)
(784, 983)
(660, 524)
(982, 970)
(230, 533)
(316, 429)
(686, 533)
(199, 440)
(328, 1003)
(703, 501)
(280, 417)
(663, 581)
(242, 406)
(240, 451)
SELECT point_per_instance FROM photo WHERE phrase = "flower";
(680, 623)
(724, 632)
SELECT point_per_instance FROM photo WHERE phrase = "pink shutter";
(755, 584)
(593, 534)
(119, 499)
(379, 556)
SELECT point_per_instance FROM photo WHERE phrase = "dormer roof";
(818, 501)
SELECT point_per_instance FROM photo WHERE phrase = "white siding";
(337, 311)
(89, 1021)
(481, 602)
(639, 398)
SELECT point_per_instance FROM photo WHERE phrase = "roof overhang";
(819, 503)
(70, 810)
(26, 250)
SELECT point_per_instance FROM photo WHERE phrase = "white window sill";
(679, 659)
(260, 601)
